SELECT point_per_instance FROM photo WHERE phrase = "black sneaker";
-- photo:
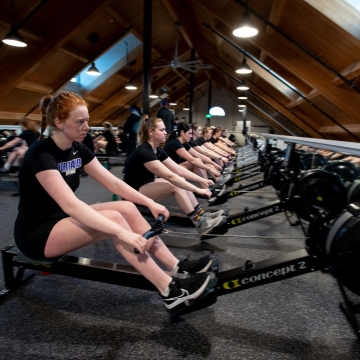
(185, 291)
(201, 265)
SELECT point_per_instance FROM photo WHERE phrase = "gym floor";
(57, 317)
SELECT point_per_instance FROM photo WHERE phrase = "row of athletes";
(187, 155)
(52, 221)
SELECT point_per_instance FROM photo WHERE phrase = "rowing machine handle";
(156, 229)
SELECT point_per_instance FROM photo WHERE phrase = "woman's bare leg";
(162, 189)
(69, 235)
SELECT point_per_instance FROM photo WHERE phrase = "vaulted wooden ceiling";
(314, 45)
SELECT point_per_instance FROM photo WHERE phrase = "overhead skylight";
(107, 60)
(354, 3)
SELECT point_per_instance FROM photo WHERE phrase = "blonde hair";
(145, 126)
(108, 126)
(206, 129)
(29, 124)
(58, 106)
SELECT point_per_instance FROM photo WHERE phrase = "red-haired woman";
(52, 221)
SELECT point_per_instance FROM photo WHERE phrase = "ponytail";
(44, 103)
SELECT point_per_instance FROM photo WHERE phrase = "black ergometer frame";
(250, 275)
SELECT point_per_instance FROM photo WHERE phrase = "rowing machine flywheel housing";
(326, 193)
(343, 248)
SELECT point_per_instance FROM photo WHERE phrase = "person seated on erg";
(177, 148)
(224, 138)
(215, 139)
(205, 141)
(19, 144)
(52, 221)
(123, 141)
(106, 140)
(149, 160)
(206, 156)
(197, 145)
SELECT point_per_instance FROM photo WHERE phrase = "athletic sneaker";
(223, 179)
(183, 290)
(201, 265)
(215, 214)
(206, 224)
(228, 169)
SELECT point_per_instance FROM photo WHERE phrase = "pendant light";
(242, 96)
(93, 70)
(130, 85)
(246, 27)
(13, 38)
(93, 38)
(242, 86)
(244, 68)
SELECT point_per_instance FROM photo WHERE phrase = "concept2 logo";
(233, 284)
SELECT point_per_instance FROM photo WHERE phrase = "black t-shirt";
(124, 139)
(172, 146)
(201, 141)
(111, 142)
(137, 174)
(213, 140)
(193, 143)
(35, 203)
(29, 136)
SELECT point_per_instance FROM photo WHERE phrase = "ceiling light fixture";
(246, 27)
(242, 96)
(93, 70)
(173, 104)
(244, 68)
(242, 86)
(93, 38)
(130, 85)
(13, 38)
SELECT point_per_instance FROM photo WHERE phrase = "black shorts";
(31, 235)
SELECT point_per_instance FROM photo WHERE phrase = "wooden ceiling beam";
(13, 116)
(339, 12)
(304, 67)
(35, 87)
(201, 79)
(267, 119)
(75, 53)
(62, 29)
(351, 72)
(281, 108)
(178, 15)
(277, 10)
(121, 20)
(27, 34)
(118, 98)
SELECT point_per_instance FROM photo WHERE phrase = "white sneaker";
(223, 179)
(215, 214)
(206, 224)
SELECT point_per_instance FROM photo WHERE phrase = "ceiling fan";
(191, 66)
